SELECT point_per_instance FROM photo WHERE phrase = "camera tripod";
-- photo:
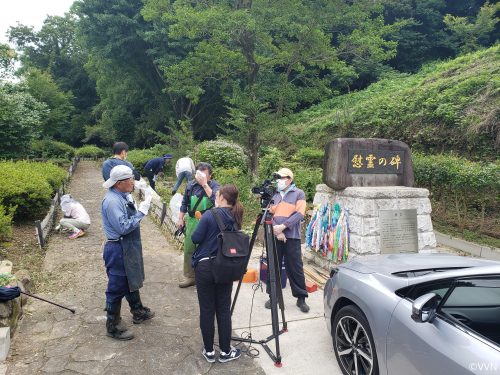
(274, 278)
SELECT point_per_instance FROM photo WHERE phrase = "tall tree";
(55, 49)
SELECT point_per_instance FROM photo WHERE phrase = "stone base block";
(364, 205)
(4, 342)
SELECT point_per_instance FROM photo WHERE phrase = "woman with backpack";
(215, 298)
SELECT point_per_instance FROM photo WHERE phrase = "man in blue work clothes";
(120, 150)
(123, 251)
(153, 167)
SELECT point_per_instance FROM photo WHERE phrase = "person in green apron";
(199, 196)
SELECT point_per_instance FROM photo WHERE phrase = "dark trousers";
(215, 301)
(150, 175)
(290, 250)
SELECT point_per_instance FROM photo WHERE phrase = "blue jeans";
(183, 175)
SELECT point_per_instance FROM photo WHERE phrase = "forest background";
(272, 82)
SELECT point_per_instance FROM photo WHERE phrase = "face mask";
(281, 185)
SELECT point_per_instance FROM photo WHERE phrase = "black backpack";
(232, 255)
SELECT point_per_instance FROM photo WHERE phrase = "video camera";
(266, 190)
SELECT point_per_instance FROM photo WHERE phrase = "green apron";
(191, 224)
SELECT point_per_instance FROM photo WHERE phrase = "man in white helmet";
(123, 250)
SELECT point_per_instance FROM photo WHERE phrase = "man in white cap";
(123, 250)
(288, 209)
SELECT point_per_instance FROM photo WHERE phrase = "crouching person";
(215, 298)
(76, 219)
(123, 251)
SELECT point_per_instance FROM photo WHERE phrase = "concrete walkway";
(52, 340)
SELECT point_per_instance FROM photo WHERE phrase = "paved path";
(52, 340)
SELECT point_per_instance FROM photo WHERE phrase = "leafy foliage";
(50, 149)
(21, 118)
(139, 157)
(90, 151)
(28, 187)
(222, 154)
(6, 222)
(447, 106)
(466, 186)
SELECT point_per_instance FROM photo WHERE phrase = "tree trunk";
(253, 151)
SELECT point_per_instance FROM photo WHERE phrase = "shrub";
(139, 157)
(90, 151)
(6, 222)
(459, 182)
(310, 156)
(222, 154)
(29, 187)
(50, 149)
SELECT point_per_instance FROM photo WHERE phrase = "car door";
(450, 343)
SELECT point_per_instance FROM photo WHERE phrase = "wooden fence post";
(163, 213)
(39, 231)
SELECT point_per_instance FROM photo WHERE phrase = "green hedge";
(222, 154)
(29, 187)
(90, 151)
(463, 184)
(6, 223)
(139, 157)
(50, 149)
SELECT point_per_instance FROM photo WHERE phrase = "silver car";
(405, 314)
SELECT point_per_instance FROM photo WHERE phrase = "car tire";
(353, 342)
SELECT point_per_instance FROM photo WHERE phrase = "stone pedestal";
(364, 204)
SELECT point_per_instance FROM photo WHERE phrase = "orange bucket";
(250, 276)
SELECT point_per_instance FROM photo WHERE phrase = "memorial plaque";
(367, 162)
(398, 231)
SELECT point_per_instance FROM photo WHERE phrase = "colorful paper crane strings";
(328, 232)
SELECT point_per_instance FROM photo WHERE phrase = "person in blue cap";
(155, 166)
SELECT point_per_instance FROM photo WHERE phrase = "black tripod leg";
(273, 273)
(279, 289)
(252, 242)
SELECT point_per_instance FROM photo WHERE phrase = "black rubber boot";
(139, 312)
(302, 305)
(114, 326)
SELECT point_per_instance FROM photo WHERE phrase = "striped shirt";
(289, 210)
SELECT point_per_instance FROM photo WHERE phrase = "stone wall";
(11, 311)
(364, 204)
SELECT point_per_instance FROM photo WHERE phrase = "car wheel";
(353, 342)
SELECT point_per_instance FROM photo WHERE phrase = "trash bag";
(8, 293)
(175, 207)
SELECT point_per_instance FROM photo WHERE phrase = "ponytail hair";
(231, 195)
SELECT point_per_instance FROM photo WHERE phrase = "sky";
(29, 12)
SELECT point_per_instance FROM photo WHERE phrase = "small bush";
(222, 154)
(6, 223)
(139, 157)
(90, 151)
(29, 186)
(50, 149)
(310, 156)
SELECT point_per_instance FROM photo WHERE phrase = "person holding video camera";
(215, 298)
(288, 208)
(199, 197)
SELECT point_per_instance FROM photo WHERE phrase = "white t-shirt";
(183, 165)
(76, 211)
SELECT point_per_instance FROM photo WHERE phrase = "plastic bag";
(175, 207)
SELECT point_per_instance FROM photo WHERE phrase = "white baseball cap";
(118, 173)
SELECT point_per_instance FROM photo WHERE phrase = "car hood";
(390, 263)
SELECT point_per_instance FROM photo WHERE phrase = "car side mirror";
(424, 308)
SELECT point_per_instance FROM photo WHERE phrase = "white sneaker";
(58, 227)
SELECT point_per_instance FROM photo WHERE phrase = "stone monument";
(373, 179)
